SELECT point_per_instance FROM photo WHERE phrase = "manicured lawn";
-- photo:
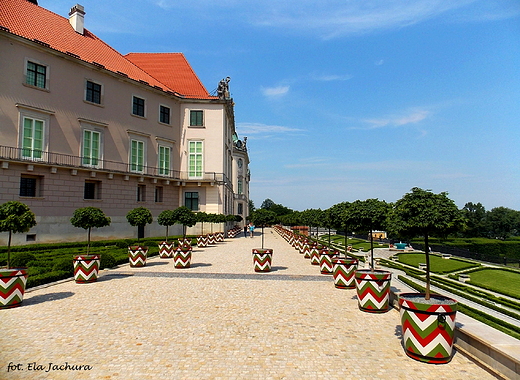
(502, 281)
(437, 263)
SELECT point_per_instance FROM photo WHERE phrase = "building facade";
(82, 125)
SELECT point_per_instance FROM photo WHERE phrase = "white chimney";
(77, 18)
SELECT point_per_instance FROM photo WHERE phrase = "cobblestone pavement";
(215, 320)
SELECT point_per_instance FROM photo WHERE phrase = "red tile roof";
(173, 70)
(33, 22)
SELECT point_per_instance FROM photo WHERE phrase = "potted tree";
(86, 267)
(372, 286)
(15, 217)
(138, 217)
(166, 218)
(423, 213)
(211, 218)
(182, 256)
(262, 257)
(202, 239)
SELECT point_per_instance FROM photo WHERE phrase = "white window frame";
(163, 170)
(39, 114)
(195, 174)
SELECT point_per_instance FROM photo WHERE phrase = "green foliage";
(263, 217)
(21, 259)
(183, 215)
(63, 264)
(139, 217)
(438, 264)
(16, 217)
(166, 218)
(89, 217)
(368, 215)
(107, 261)
(202, 217)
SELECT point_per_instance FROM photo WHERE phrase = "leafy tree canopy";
(166, 218)
(16, 217)
(89, 217)
(139, 217)
(263, 217)
(183, 215)
(367, 215)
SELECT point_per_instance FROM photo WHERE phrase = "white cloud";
(275, 91)
(331, 77)
(258, 128)
(411, 117)
(380, 62)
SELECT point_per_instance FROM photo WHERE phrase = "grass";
(437, 263)
(355, 243)
(502, 281)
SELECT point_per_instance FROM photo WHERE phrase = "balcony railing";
(57, 159)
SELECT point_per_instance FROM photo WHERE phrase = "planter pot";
(262, 259)
(307, 252)
(211, 239)
(220, 237)
(326, 265)
(137, 256)
(12, 287)
(86, 268)
(182, 257)
(165, 250)
(315, 255)
(373, 290)
(344, 273)
(202, 241)
(428, 327)
(185, 242)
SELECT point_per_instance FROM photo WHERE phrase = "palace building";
(83, 125)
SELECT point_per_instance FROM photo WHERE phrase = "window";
(164, 160)
(138, 106)
(158, 194)
(191, 200)
(164, 114)
(92, 190)
(91, 148)
(195, 159)
(141, 193)
(36, 75)
(137, 156)
(240, 208)
(32, 138)
(30, 186)
(93, 92)
(240, 186)
(196, 118)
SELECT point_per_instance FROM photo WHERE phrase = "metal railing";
(32, 156)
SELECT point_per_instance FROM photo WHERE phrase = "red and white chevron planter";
(211, 239)
(185, 242)
(137, 256)
(182, 257)
(262, 259)
(86, 268)
(315, 254)
(202, 241)
(12, 287)
(373, 290)
(165, 250)
(219, 237)
(344, 271)
(326, 265)
(428, 327)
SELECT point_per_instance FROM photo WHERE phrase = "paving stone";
(216, 320)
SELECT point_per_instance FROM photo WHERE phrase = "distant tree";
(251, 206)
(202, 217)
(339, 214)
(15, 217)
(88, 218)
(503, 222)
(423, 213)
(368, 215)
(267, 204)
(475, 215)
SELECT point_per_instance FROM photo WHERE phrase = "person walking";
(251, 230)
(245, 230)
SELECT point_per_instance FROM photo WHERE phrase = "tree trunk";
(372, 250)
(9, 251)
(427, 253)
(88, 241)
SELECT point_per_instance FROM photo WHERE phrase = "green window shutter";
(86, 147)
(95, 148)
(27, 138)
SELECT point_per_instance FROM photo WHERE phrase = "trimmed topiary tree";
(139, 217)
(166, 218)
(15, 217)
(183, 215)
(88, 218)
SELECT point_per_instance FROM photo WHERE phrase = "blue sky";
(351, 99)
